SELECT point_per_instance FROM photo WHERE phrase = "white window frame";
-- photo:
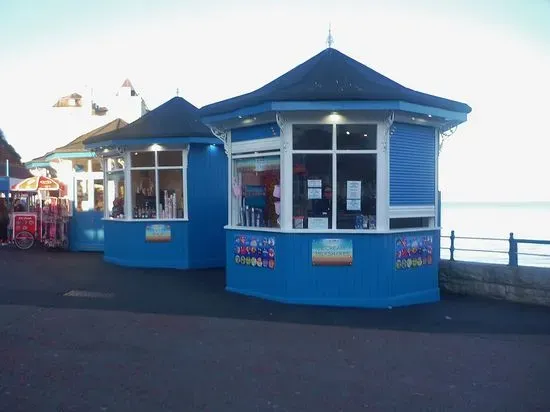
(156, 168)
(106, 199)
(89, 177)
(261, 149)
(128, 206)
(380, 171)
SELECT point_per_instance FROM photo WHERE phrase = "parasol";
(35, 183)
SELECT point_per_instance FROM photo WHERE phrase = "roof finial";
(330, 39)
(177, 91)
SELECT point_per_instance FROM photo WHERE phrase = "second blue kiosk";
(164, 205)
(333, 186)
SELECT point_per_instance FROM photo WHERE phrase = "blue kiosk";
(333, 186)
(164, 204)
(82, 173)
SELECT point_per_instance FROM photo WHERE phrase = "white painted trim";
(411, 211)
(436, 168)
(127, 187)
(185, 162)
(230, 211)
(329, 231)
(286, 176)
(105, 190)
(257, 154)
(334, 204)
(157, 189)
(382, 177)
(257, 145)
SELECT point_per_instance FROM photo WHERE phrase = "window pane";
(144, 201)
(171, 193)
(312, 191)
(409, 222)
(312, 137)
(115, 194)
(82, 195)
(356, 191)
(256, 191)
(80, 165)
(98, 195)
(356, 137)
(143, 159)
(170, 158)
(97, 165)
(115, 163)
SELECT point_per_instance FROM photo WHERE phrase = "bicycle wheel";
(24, 240)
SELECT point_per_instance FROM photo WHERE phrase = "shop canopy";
(328, 77)
(176, 118)
(36, 183)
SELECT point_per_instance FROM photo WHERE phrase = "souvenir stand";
(164, 204)
(40, 213)
(333, 192)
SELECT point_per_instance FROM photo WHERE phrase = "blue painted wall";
(125, 245)
(255, 132)
(197, 243)
(4, 184)
(371, 281)
(207, 202)
(412, 165)
(86, 232)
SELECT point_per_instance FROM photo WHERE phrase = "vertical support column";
(286, 172)
(382, 176)
(229, 152)
(127, 186)
(185, 164)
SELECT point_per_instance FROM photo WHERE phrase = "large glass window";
(312, 137)
(171, 193)
(328, 155)
(256, 191)
(82, 195)
(356, 137)
(356, 195)
(98, 195)
(312, 191)
(144, 194)
(157, 185)
(115, 194)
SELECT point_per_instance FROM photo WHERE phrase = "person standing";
(4, 221)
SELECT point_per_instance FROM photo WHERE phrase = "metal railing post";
(452, 248)
(513, 253)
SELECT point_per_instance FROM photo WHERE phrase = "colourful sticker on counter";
(413, 252)
(254, 251)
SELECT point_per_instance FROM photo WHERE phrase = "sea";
(496, 220)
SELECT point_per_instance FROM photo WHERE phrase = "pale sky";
(492, 54)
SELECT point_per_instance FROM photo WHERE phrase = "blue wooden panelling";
(371, 281)
(125, 245)
(198, 243)
(4, 184)
(207, 193)
(86, 232)
(412, 165)
(260, 131)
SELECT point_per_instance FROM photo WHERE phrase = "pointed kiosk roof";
(77, 145)
(175, 118)
(332, 76)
